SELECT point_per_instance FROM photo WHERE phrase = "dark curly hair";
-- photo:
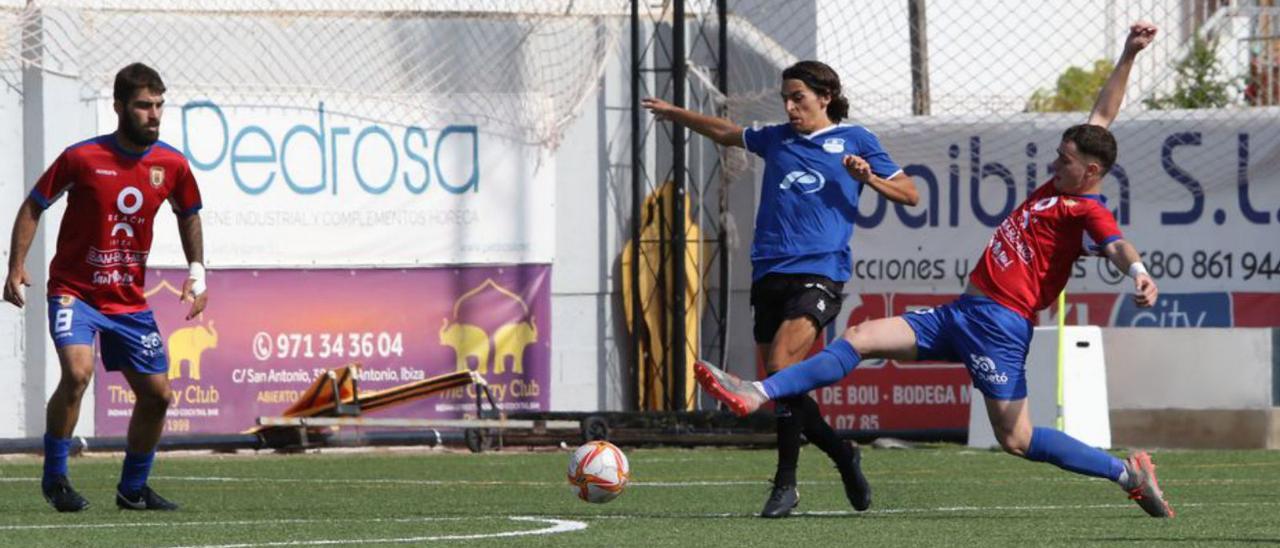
(823, 81)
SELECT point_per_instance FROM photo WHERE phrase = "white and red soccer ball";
(598, 471)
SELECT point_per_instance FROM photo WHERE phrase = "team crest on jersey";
(834, 145)
(66, 300)
(157, 176)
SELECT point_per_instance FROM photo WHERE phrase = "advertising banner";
(267, 334)
(321, 186)
(1199, 199)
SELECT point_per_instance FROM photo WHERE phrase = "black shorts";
(776, 298)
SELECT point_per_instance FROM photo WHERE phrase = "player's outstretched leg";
(1012, 425)
(824, 368)
(1140, 481)
(741, 396)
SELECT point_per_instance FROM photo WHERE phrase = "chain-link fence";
(983, 62)
(523, 67)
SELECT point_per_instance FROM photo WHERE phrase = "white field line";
(556, 526)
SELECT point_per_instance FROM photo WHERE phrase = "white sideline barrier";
(1085, 413)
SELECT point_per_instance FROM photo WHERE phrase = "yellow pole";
(1062, 352)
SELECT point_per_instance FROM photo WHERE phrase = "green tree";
(1200, 82)
(1076, 90)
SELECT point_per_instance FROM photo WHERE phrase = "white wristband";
(1137, 268)
(195, 272)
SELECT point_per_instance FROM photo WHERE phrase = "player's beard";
(138, 134)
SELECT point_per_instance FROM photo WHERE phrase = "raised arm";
(1108, 103)
(720, 130)
(24, 231)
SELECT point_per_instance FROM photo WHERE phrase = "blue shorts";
(129, 341)
(989, 338)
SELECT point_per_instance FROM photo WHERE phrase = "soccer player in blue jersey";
(1022, 270)
(815, 169)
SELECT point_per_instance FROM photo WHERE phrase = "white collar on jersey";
(832, 127)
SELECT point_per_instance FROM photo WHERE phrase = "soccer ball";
(598, 471)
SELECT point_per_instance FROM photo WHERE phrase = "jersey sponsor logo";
(1009, 232)
(112, 277)
(128, 202)
(999, 254)
(984, 368)
(834, 145)
(107, 172)
(1046, 203)
(157, 176)
(107, 258)
(806, 181)
(151, 344)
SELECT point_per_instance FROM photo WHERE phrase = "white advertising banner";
(287, 186)
(1200, 198)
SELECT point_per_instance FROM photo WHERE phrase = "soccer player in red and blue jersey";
(1023, 269)
(114, 185)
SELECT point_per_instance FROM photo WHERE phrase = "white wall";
(1204, 368)
(50, 115)
(12, 191)
(593, 197)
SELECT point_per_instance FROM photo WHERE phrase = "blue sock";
(55, 458)
(824, 368)
(1065, 452)
(137, 466)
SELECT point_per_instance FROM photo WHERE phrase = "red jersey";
(112, 199)
(1029, 258)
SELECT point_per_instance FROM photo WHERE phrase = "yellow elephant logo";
(467, 341)
(505, 348)
(187, 345)
(509, 342)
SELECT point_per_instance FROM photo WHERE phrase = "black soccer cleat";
(145, 500)
(856, 487)
(782, 499)
(63, 497)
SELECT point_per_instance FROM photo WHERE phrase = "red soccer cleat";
(739, 395)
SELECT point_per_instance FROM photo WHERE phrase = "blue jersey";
(807, 199)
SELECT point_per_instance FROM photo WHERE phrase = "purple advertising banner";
(267, 334)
